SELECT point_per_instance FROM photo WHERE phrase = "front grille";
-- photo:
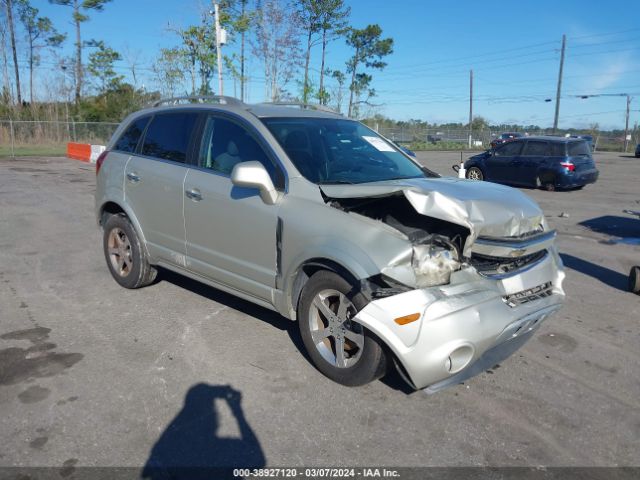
(529, 295)
(492, 266)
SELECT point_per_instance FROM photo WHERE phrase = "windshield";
(327, 150)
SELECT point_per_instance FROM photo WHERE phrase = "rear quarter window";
(575, 149)
(128, 141)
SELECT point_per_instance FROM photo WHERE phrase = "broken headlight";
(434, 262)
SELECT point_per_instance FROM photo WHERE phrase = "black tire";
(549, 186)
(634, 280)
(371, 361)
(136, 272)
(477, 174)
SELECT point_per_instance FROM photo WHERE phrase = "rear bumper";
(577, 179)
(464, 325)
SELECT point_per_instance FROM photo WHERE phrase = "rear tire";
(634, 280)
(549, 186)
(342, 349)
(474, 173)
(125, 255)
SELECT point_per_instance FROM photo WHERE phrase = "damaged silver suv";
(317, 217)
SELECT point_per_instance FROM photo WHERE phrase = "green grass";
(34, 150)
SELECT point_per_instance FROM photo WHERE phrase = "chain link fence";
(462, 139)
(40, 137)
(18, 136)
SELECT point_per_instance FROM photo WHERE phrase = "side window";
(168, 136)
(578, 148)
(536, 148)
(509, 149)
(129, 139)
(558, 149)
(225, 144)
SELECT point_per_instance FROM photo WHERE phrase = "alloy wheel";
(335, 335)
(119, 250)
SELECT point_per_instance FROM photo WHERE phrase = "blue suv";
(548, 162)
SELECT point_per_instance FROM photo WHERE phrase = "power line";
(606, 34)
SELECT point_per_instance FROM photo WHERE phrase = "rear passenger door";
(499, 168)
(230, 231)
(534, 156)
(154, 181)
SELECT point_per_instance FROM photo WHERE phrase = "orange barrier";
(79, 151)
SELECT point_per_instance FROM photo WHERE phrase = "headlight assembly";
(433, 263)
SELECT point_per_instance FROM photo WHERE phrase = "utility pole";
(470, 106)
(216, 8)
(555, 118)
(626, 125)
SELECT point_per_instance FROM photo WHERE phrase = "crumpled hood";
(486, 209)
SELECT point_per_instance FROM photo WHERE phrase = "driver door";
(499, 164)
(230, 231)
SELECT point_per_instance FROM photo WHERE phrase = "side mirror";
(254, 175)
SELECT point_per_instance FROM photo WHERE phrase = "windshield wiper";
(338, 182)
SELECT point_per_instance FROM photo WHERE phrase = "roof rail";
(198, 99)
(302, 105)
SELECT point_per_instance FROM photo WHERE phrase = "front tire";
(474, 173)
(339, 347)
(125, 255)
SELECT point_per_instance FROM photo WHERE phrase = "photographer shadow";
(190, 448)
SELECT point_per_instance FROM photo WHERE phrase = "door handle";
(194, 194)
(133, 177)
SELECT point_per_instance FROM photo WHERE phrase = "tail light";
(99, 161)
(568, 165)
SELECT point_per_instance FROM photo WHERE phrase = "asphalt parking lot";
(93, 374)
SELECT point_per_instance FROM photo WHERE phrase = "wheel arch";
(111, 207)
(306, 269)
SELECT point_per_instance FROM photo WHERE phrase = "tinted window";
(129, 139)
(558, 149)
(168, 136)
(225, 144)
(578, 148)
(536, 148)
(509, 149)
(326, 150)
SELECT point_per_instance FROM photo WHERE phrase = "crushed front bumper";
(464, 325)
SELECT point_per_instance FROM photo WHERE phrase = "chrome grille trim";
(529, 295)
(503, 267)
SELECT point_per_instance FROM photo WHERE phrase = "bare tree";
(277, 45)
(169, 70)
(132, 58)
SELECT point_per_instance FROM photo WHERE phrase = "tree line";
(275, 41)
